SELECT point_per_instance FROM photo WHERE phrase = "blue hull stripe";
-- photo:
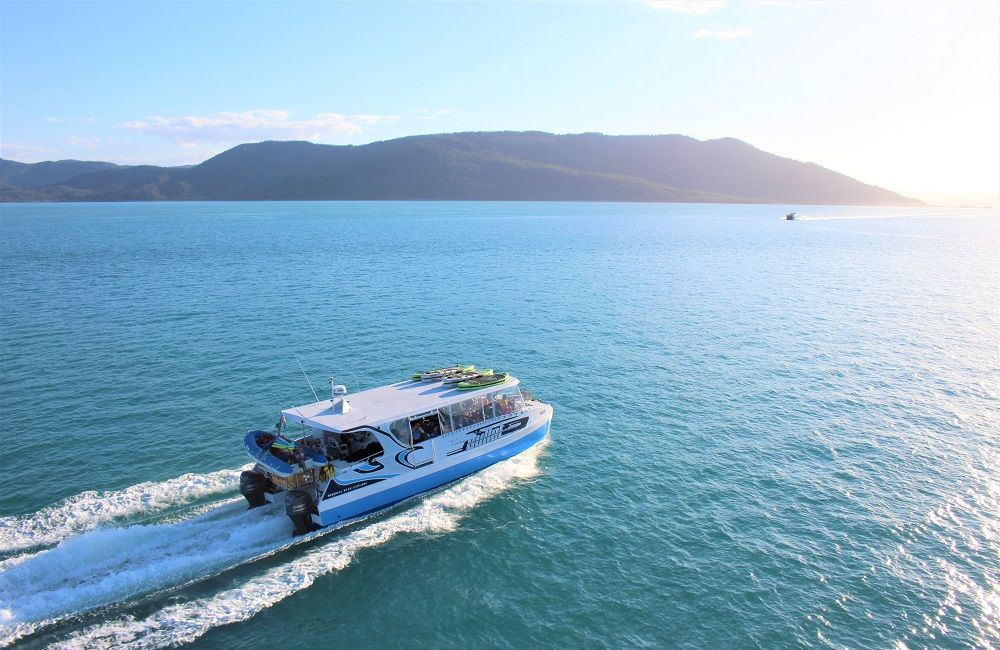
(396, 494)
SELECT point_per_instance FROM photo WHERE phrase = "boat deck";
(385, 403)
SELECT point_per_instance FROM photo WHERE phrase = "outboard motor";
(252, 486)
(299, 508)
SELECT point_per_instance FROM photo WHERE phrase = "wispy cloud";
(427, 114)
(192, 131)
(690, 7)
(24, 152)
(83, 142)
(52, 120)
(796, 4)
(730, 34)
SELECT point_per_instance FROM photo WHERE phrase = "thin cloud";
(426, 114)
(729, 34)
(52, 120)
(689, 7)
(84, 142)
(797, 4)
(193, 131)
(24, 152)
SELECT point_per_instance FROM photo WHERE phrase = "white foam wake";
(111, 565)
(187, 621)
(89, 510)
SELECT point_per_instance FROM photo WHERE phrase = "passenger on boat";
(335, 449)
(361, 445)
(355, 443)
(417, 431)
(314, 449)
(299, 454)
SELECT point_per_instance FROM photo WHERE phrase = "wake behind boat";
(356, 455)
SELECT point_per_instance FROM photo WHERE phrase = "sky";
(905, 95)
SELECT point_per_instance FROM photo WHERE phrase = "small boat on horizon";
(791, 216)
(356, 455)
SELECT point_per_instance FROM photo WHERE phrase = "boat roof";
(385, 403)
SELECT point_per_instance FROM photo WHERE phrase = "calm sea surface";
(767, 433)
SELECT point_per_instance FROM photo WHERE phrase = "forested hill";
(461, 166)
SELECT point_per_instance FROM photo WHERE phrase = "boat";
(459, 377)
(353, 455)
(791, 216)
(482, 381)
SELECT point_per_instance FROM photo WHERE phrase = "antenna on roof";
(306, 376)
(338, 391)
(357, 385)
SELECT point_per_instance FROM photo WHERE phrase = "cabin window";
(424, 427)
(336, 448)
(400, 430)
(444, 417)
(486, 404)
(485, 407)
(361, 444)
(506, 401)
(467, 412)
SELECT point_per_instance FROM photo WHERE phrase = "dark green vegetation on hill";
(530, 166)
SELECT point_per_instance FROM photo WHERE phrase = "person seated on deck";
(417, 432)
(298, 454)
(335, 449)
(314, 449)
(484, 408)
(355, 443)
(362, 445)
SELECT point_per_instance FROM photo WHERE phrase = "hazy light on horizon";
(902, 95)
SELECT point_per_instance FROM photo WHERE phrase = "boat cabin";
(349, 429)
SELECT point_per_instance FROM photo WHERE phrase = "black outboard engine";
(252, 486)
(299, 508)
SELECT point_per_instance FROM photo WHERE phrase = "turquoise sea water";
(767, 433)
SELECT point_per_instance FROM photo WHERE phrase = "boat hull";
(448, 465)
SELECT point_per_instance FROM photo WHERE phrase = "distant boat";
(791, 216)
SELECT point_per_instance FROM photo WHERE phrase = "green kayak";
(440, 372)
(482, 381)
(466, 376)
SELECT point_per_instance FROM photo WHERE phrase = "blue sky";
(903, 95)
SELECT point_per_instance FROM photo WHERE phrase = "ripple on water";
(765, 434)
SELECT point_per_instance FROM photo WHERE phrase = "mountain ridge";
(485, 165)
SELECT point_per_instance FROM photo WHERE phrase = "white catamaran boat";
(356, 454)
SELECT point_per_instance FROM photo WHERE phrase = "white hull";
(402, 472)
(362, 453)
